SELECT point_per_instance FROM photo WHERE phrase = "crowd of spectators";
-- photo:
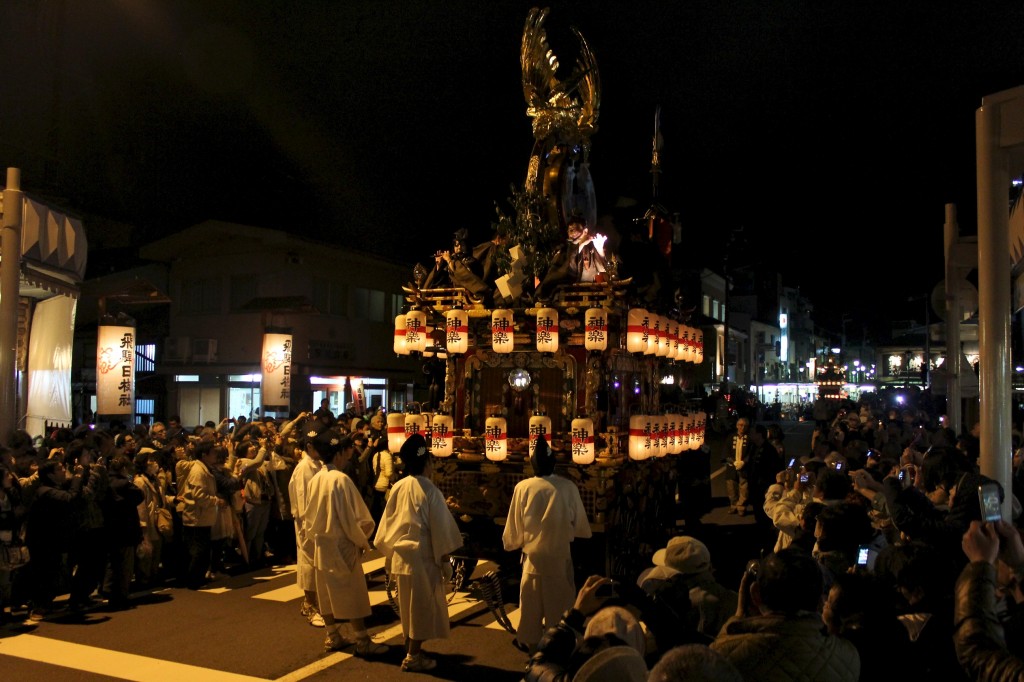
(105, 512)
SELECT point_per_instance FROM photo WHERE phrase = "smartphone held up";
(988, 499)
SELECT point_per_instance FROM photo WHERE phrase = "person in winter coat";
(123, 530)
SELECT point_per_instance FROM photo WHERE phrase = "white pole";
(994, 295)
(10, 270)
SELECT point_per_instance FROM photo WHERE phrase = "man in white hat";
(684, 566)
(545, 516)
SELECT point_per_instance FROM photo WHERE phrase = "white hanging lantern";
(442, 435)
(416, 423)
(456, 330)
(637, 330)
(685, 343)
(396, 431)
(663, 337)
(698, 356)
(662, 425)
(583, 441)
(675, 433)
(416, 331)
(496, 439)
(653, 322)
(547, 330)
(502, 331)
(400, 347)
(689, 422)
(595, 329)
(640, 445)
(701, 420)
(673, 340)
(540, 425)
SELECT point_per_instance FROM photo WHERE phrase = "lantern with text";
(400, 347)
(675, 433)
(396, 431)
(456, 330)
(416, 331)
(582, 440)
(698, 356)
(701, 418)
(640, 439)
(638, 323)
(595, 329)
(673, 340)
(496, 439)
(653, 323)
(115, 370)
(689, 433)
(686, 344)
(276, 378)
(502, 331)
(442, 435)
(663, 337)
(663, 444)
(547, 330)
(415, 423)
(540, 425)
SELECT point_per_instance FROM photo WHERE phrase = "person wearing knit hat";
(416, 534)
(546, 514)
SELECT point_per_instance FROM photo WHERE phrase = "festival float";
(547, 331)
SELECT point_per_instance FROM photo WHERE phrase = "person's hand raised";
(981, 542)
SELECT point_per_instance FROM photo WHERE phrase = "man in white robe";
(297, 486)
(417, 532)
(546, 514)
(340, 526)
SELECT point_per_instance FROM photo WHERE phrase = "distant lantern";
(664, 340)
(502, 331)
(698, 356)
(638, 322)
(415, 423)
(699, 424)
(689, 431)
(673, 340)
(496, 439)
(685, 333)
(540, 425)
(595, 329)
(662, 430)
(396, 431)
(547, 330)
(640, 442)
(653, 324)
(582, 440)
(675, 433)
(400, 347)
(416, 331)
(442, 435)
(456, 330)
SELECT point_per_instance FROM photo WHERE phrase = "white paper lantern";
(640, 443)
(547, 330)
(684, 343)
(583, 441)
(496, 439)
(637, 330)
(698, 355)
(675, 433)
(400, 347)
(653, 323)
(662, 426)
(442, 435)
(689, 422)
(416, 331)
(502, 331)
(396, 431)
(595, 329)
(416, 423)
(540, 425)
(699, 425)
(663, 337)
(456, 330)
(673, 340)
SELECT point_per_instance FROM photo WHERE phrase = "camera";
(988, 498)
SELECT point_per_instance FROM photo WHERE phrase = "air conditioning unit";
(204, 350)
(177, 349)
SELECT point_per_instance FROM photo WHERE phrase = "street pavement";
(248, 627)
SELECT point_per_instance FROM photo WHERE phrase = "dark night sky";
(833, 133)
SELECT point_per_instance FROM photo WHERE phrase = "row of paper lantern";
(439, 431)
(662, 336)
(646, 333)
(667, 434)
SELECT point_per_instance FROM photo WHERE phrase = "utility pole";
(10, 269)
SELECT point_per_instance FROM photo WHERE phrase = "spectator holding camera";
(785, 500)
(978, 636)
(594, 640)
(776, 633)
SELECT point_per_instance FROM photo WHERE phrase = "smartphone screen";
(862, 556)
(792, 463)
(988, 498)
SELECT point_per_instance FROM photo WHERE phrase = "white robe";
(298, 485)
(415, 532)
(340, 525)
(546, 514)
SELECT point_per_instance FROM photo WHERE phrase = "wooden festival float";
(539, 335)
